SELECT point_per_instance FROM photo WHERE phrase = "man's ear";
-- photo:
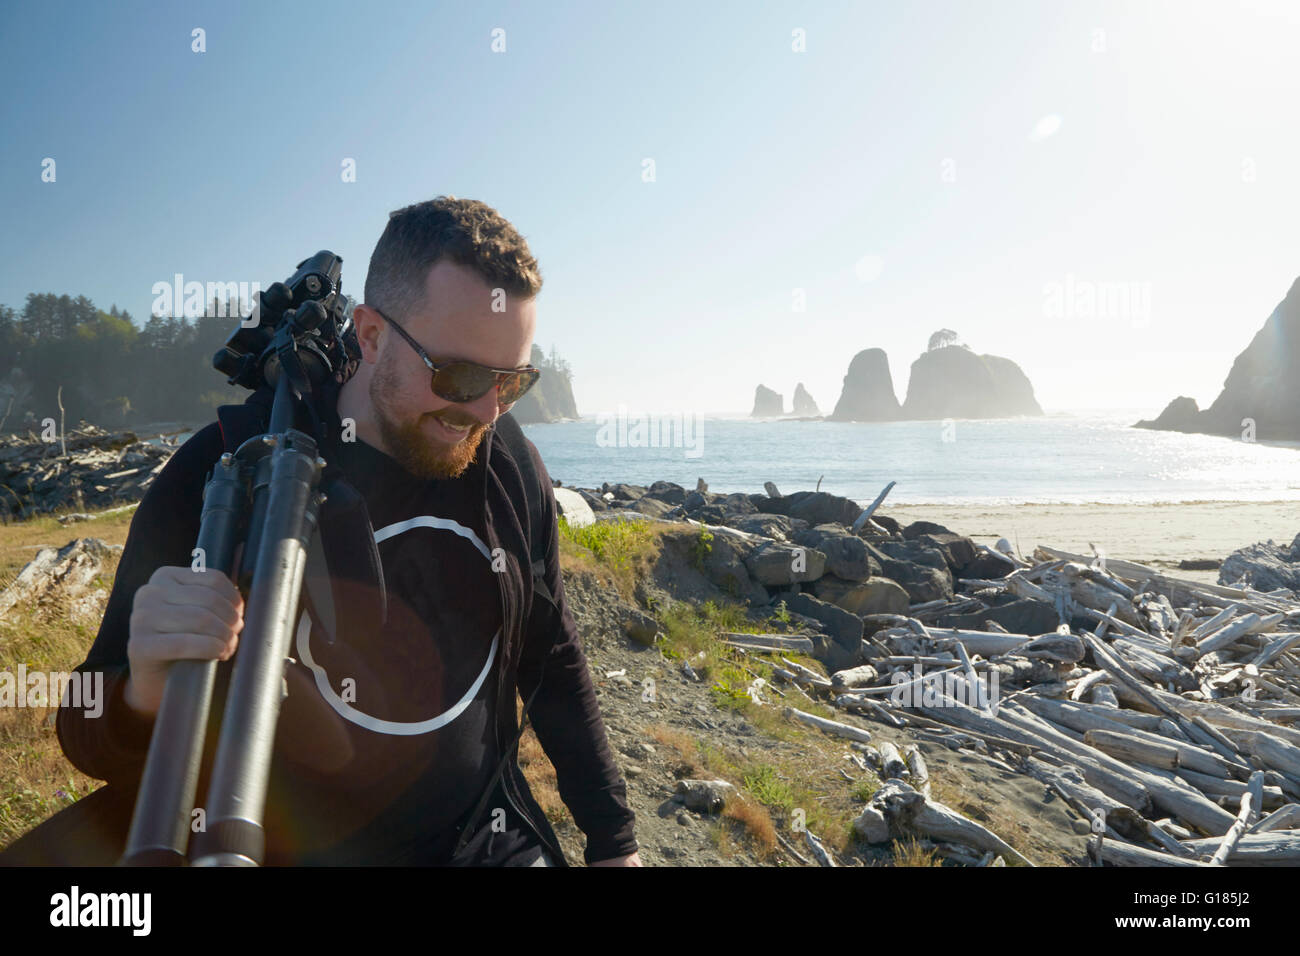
(370, 328)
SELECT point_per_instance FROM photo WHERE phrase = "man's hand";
(630, 860)
(180, 614)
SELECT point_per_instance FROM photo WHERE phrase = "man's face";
(455, 322)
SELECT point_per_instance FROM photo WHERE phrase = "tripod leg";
(160, 827)
(237, 794)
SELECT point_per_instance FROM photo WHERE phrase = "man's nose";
(485, 407)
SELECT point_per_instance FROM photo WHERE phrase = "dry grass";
(540, 774)
(910, 853)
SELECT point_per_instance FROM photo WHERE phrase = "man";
(387, 738)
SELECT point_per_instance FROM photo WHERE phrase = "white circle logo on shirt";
(395, 727)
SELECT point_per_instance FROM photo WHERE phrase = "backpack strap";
(513, 437)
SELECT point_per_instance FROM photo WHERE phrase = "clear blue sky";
(920, 165)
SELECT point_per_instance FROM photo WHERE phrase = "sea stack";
(1261, 394)
(803, 402)
(767, 403)
(868, 393)
(954, 382)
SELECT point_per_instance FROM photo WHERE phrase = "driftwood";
(769, 642)
(1250, 806)
(829, 726)
(1256, 849)
(1125, 854)
(908, 811)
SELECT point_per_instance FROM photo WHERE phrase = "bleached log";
(1250, 806)
(862, 676)
(1256, 849)
(1228, 634)
(818, 848)
(920, 772)
(1214, 787)
(829, 726)
(1133, 749)
(1101, 771)
(769, 642)
(891, 762)
(908, 811)
(1206, 628)
(1275, 752)
(1125, 854)
(1086, 683)
(1282, 818)
(1104, 696)
(807, 675)
(983, 643)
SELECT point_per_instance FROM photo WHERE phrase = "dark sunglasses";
(460, 381)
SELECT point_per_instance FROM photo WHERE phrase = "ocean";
(1059, 458)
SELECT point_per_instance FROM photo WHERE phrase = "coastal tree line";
(107, 369)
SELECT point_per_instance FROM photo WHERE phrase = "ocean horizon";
(1063, 457)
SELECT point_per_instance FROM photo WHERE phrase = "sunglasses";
(460, 381)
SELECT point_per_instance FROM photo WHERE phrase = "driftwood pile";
(1168, 725)
(1161, 709)
(87, 469)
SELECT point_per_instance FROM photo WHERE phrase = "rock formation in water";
(767, 403)
(1261, 395)
(803, 402)
(868, 393)
(953, 382)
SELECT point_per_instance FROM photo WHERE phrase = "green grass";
(613, 543)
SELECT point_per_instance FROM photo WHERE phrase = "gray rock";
(573, 508)
(872, 596)
(705, 796)
(847, 555)
(845, 628)
(1264, 567)
(667, 492)
(773, 563)
(776, 527)
(639, 626)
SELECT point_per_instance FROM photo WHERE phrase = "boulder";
(667, 492)
(871, 596)
(777, 527)
(725, 567)
(815, 507)
(844, 627)
(847, 556)
(773, 564)
(574, 508)
(868, 391)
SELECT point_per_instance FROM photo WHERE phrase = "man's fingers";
(163, 648)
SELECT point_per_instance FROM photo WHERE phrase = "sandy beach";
(1160, 535)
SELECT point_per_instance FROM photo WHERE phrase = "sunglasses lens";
(464, 382)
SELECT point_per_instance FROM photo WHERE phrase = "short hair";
(466, 231)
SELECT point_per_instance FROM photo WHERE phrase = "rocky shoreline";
(1161, 710)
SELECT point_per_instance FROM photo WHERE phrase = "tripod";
(266, 496)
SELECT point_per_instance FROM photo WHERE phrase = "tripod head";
(300, 328)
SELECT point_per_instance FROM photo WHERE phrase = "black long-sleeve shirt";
(387, 737)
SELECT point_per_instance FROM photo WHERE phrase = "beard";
(409, 442)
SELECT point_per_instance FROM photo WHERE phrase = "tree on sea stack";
(944, 338)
